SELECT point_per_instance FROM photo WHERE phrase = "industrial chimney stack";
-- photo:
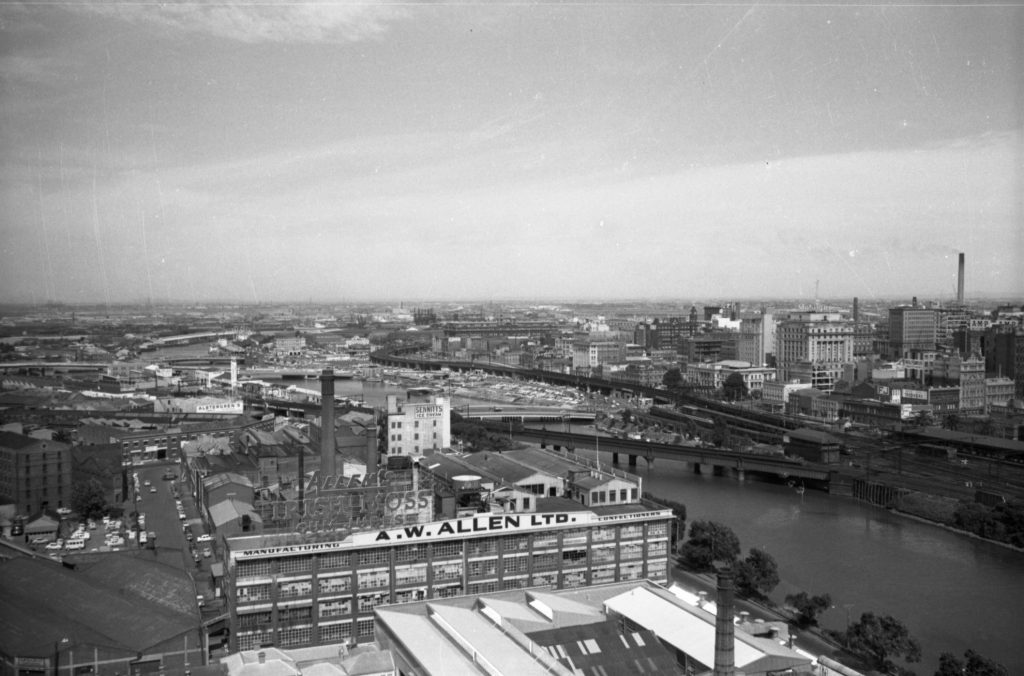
(327, 454)
(856, 310)
(725, 660)
(960, 282)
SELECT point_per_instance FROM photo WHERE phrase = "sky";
(331, 151)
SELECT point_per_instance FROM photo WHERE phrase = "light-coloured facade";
(814, 347)
(757, 339)
(416, 428)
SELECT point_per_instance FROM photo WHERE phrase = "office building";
(813, 347)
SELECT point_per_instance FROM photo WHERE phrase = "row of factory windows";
(478, 547)
(295, 625)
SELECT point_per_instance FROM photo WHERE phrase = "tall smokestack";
(327, 422)
(856, 310)
(725, 660)
(960, 282)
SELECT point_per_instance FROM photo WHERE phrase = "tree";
(808, 607)
(757, 575)
(881, 637)
(734, 388)
(972, 665)
(709, 542)
(672, 379)
(951, 421)
(88, 499)
(720, 432)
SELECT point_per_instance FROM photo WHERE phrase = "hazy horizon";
(267, 152)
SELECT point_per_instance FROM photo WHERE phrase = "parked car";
(152, 489)
(207, 552)
(55, 546)
(205, 537)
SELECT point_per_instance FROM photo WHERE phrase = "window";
(334, 560)
(336, 608)
(259, 592)
(368, 601)
(448, 550)
(253, 568)
(286, 590)
(410, 554)
(657, 530)
(335, 585)
(485, 568)
(411, 574)
(516, 543)
(336, 632)
(515, 564)
(632, 493)
(375, 557)
(294, 564)
(293, 636)
(631, 550)
(374, 579)
(514, 583)
(447, 571)
(481, 547)
(364, 628)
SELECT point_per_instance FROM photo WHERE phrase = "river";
(953, 592)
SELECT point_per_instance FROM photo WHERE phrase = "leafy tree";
(951, 421)
(881, 637)
(89, 499)
(673, 378)
(808, 607)
(720, 432)
(734, 388)
(973, 664)
(757, 575)
(709, 542)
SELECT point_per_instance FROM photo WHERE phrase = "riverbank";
(810, 640)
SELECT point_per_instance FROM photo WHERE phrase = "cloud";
(330, 21)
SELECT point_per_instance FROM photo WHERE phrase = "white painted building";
(418, 427)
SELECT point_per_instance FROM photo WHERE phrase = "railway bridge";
(713, 460)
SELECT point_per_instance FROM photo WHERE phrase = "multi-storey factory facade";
(289, 590)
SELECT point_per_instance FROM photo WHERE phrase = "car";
(188, 536)
(63, 511)
(40, 540)
(147, 483)
(205, 537)
(152, 489)
(181, 515)
(55, 546)
(207, 553)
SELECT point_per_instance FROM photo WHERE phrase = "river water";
(951, 591)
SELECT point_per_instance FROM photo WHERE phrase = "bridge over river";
(713, 460)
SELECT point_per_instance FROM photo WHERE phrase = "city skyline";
(267, 153)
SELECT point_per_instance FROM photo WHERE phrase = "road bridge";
(703, 459)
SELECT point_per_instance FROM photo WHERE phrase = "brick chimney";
(327, 454)
(725, 658)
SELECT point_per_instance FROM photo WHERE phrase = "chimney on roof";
(725, 660)
(960, 282)
(327, 423)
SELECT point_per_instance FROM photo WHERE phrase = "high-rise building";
(912, 329)
(756, 339)
(814, 345)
